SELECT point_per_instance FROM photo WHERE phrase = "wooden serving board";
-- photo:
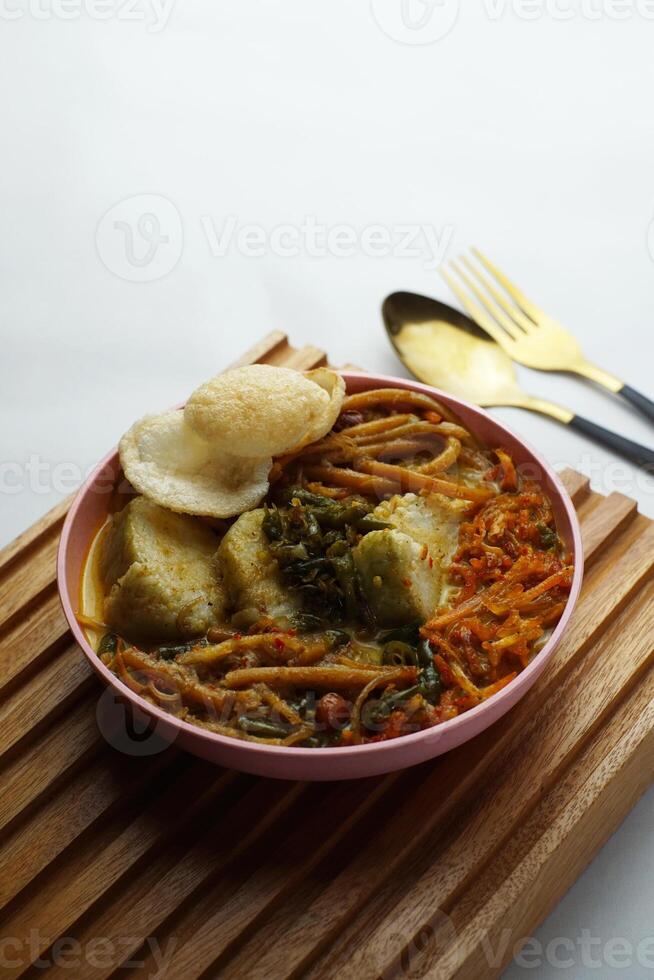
(163, 865)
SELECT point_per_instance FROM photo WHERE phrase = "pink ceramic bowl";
(89, 510)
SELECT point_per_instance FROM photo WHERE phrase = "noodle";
(394, 397)
(409, 481)
(333, 678)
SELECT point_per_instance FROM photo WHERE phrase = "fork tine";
(509, 308)
(476, 312)
(510, 330)
(519, 297)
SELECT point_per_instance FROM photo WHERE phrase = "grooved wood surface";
(163, 865)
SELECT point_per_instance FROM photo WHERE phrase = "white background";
(532, 138)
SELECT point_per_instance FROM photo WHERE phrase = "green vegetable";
(305, 622)
(430, 683)
(262, 727)
(273, 525)
(346, 577)
(548, 536)
(375, 712)
(338, 515)
(108, 645)
(312, 539)
(406, 634)
(170, 651)
(405, 646)
(369, 523)
(304, 496)
(399, 654)
(335, 514)
(337, 638)
(320, 740)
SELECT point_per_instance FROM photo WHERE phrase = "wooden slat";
(598, 606)
(60, 820)
(25, 578)
(50, 690)
(85, 876)
(275, 349)
(577, 485)
(226, 917)
(301, 360)
(227, 875)
(32, 637)
(72, 737)
(146, 900)
(263, 350)
(610, 516)
(44, 526)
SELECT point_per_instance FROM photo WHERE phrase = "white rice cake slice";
(396, 578)
(251, 573)
(432, 524)
(161, 574)
(432, 520)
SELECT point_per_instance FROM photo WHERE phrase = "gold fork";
(528, 334)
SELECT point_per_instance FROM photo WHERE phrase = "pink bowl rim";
(512, 693)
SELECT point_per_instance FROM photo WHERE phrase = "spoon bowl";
(445, 348)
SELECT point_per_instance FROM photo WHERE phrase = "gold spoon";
(444, 348)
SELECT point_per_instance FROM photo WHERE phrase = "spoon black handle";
(633, 451)
(644, 404)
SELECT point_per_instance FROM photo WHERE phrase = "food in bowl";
(295, 566)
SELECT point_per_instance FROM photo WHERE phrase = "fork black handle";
(641, 402)
(633, 451)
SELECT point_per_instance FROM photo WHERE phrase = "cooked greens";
(312, 538)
